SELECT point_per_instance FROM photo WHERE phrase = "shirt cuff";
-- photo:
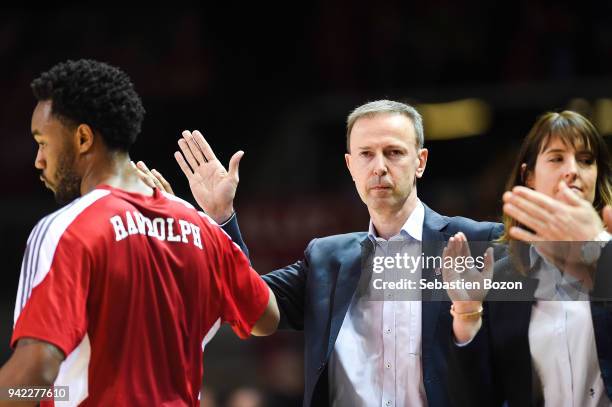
(228, 219)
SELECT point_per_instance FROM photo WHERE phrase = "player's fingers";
(164, 184)
(144, 174)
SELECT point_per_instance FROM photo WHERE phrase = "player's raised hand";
(212, 186)
(152, 178)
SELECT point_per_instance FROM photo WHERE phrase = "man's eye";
(365, 153)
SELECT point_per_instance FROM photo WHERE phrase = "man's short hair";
(93, 93)
(371, 109)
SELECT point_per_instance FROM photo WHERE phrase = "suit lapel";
(350, 272)
(433, 242)
(346, 284)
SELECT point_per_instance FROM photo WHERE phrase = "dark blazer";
(496, 366)
(314, 294)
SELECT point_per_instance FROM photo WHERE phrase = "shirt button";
(388, 403)
(388, 331)
(388, 365)
(389, 295)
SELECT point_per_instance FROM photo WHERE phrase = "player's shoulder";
(177, 202)
(179, 206)
(50, 229)
(186, 207)
(65, 216)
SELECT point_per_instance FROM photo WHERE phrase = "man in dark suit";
(357, 352)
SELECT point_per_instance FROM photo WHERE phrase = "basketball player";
(121, 288)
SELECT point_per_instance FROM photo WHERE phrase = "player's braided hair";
(93, 93)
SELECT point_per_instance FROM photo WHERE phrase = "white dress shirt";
(562, 342)
(376, 359)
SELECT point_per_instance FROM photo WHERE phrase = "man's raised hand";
(212, 186)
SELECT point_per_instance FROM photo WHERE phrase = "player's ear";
(85, 138)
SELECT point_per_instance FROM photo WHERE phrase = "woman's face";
(560, 161)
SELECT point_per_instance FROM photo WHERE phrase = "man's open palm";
(212, 186)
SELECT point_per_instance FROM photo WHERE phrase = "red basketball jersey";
(131, 288)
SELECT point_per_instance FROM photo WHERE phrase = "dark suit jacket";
(314, 294)
(496, 366)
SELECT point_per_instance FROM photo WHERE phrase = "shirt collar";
(534, 256)
(413, 226)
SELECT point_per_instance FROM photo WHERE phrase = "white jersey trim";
(43, 242)
(74, 373)
(211, 333)
(177, 199)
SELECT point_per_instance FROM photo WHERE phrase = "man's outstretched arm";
(34, 363)
(214, 189)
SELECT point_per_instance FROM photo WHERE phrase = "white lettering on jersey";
(120, 231)
(159, 228)
(131, 226)
(171, 236)
(140, 222)
(195, 232)
(185, 229)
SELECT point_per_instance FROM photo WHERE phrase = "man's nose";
(380, 165)
(39, 161)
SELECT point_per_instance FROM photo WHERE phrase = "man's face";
(56, 154)
(384, 160)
